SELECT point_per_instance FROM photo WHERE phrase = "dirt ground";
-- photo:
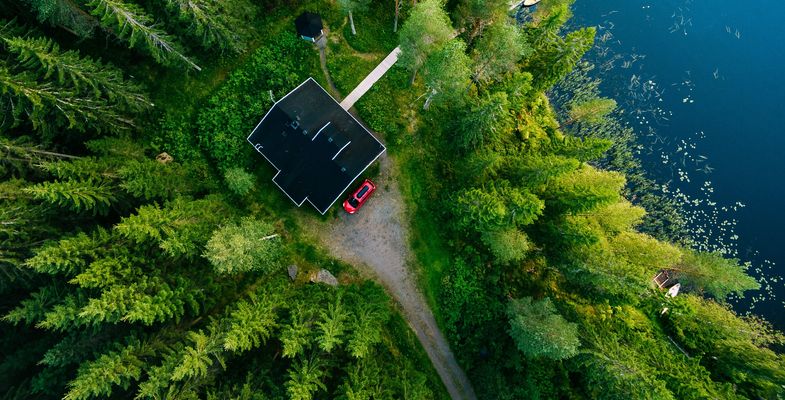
(376, 241)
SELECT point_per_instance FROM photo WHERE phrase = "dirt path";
(376, 240)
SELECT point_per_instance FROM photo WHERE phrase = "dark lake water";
(703, 82)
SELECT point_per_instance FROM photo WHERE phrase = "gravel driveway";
(376, 240)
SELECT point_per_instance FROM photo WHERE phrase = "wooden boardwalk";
(369, 80)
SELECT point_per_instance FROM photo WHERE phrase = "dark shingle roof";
(309, 25)
(318, 148)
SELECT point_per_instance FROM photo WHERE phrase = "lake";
(703, 83)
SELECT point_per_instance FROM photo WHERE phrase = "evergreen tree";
(305, 378)
(211, 23)
(423, 33)
(84, 75)
(713, 274)
(539, 331)
(332, 326)
(130, 22)
(475, 15)
(498, 51)
(485, 123)
(446, 74)
(48, 106)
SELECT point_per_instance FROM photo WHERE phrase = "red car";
(358, 198)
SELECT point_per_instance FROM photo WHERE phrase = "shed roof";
(318, 148)
(309, 25)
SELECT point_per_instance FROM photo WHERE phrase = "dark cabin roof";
(318, 148)
(309, 25)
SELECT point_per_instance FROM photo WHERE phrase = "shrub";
(239, 181)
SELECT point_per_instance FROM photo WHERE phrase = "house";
(309, 26)
(318, 148)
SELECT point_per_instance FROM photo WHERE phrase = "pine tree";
(332, 326)
(485, 123)
(539, 331)
(48, 106)
(65, 14)
(180, 229)
(210, 23)
(296, 335)
(130, 22)
(305, 378)
(251, 323)
(84, 75)
(498, 51)
(370, 312)
(115, 368)
(90, 195)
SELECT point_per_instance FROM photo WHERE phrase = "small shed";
(309, 26)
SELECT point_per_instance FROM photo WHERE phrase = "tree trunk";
(428, 100)
(397, 11)
(351, 22)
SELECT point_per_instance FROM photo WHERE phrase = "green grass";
(403, 341)
(431, 253)
(374, 29)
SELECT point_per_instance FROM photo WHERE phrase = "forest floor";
(376, 240)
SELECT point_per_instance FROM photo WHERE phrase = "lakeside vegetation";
(130, 276)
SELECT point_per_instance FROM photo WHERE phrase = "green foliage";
(485, 123)
(423, 33)
(213, 23)
(251, 323)
(48, 106)
(233, 110)
(180, 228)
(713, 274)
(115, 368)
(734, 349)
(507, 245)
(296, 335)
(554, 57)
(476, 15)
(539, 331)
(446, 74)
(585, 189)
(489, 210)
(83, 74)
(249, 246)
(131, 23)
(95, 196)
(367, 322)
(497, 52)
(332, 326)
(305, 378)
(591, 111)
(239, 181)
(65, 14)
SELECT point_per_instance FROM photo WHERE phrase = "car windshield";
(353, 202)
(362, 192)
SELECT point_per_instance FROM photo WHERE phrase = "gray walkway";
(369, 80)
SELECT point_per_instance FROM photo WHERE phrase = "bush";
(239, 181)
(231, 113)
